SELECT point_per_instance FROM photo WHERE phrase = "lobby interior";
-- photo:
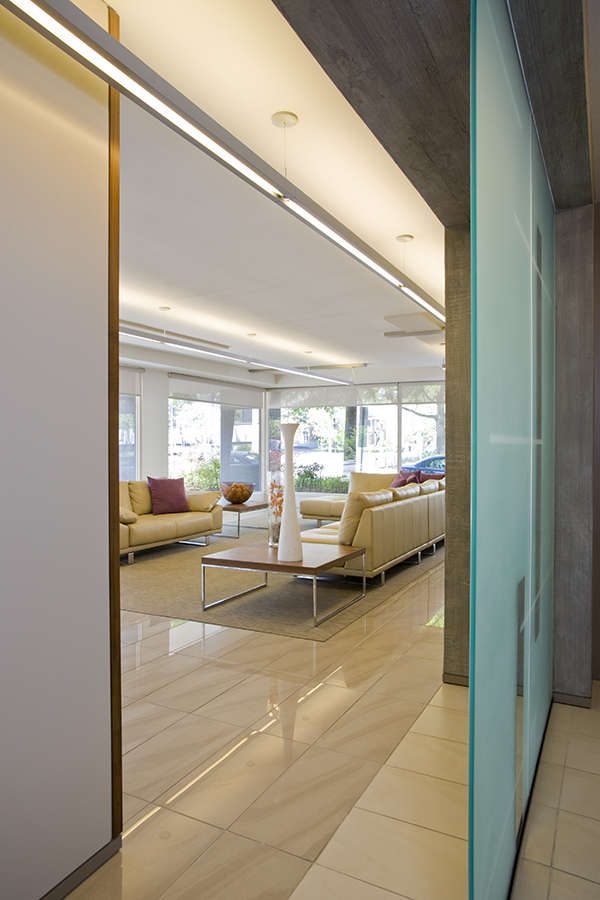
(378, 760)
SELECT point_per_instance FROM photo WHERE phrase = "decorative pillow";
(127, 516)
(168, 495)
(431, 477)
(203, 501)
(407, 476)
(353, 510)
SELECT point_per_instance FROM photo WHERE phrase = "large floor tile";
(568, 887)
(538, 838)
(308, 659)
(217, 643)
(142, 720)
(230, 781)
(141, 626)
(236, 868)
(586, 721)
(153, 857)
(581, 793)
(438, 721)
(397, 856)
(584, 753)
(432, 756)
(426, 650)
(154, 766)
(251, 699)
(134, 809)
(154, 675)
(452, 696)
(308, 713)
(208, 680)
(561, 717)
(182, 635)
(411, 678)
(554, 749)
(301, 811)
(320, 883)
(420, 799)
(576, 847)
(548, 784)
(261, 650)
(531, 881)
(372, 727)
(360, 668)
(137, 654)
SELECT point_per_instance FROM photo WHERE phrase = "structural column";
(458, 454)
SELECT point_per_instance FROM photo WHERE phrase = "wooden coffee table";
(240, 508)
(260, 557)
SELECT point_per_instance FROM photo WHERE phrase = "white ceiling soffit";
(240, 62)
(231, 263)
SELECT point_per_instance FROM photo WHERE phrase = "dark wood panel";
(550, 38)
(404, 67)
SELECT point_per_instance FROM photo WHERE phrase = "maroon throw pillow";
(410, 476)
(168, 495)
(436, 477)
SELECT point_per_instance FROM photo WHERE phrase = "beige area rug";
(166, 582)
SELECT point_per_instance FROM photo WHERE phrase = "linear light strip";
(117, 76)
(231, 356)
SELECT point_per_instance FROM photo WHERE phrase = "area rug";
(166, 582)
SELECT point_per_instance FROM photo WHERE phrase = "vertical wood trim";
(113, 439)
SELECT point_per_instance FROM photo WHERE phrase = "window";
(128, 432)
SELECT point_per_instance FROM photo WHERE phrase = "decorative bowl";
(237, 491)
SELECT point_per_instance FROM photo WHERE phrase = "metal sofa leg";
(382, 577)
(130, 559)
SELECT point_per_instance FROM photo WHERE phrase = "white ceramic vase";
(290, 545)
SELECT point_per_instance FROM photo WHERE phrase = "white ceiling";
(227, 260)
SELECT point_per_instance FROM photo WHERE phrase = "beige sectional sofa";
(392, 524)
(140, 529)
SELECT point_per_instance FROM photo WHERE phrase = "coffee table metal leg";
(315, 615)
(330, 615)
(206, 606)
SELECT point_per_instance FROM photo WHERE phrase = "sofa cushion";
(127, 516)
(407, 490)
(168, 495)
(141, 500)
(151, 529)
(353, 510)
(429, 487)
(203, 501)
(366, 481)
(124, 500)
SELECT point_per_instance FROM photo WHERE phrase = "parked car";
(431, 465)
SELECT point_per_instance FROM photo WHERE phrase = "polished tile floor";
(560, 852)
(258, 766)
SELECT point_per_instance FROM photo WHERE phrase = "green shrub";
(205, 477)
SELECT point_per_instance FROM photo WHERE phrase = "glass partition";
(513, 461)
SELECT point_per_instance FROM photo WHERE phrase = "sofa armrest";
(203, 501)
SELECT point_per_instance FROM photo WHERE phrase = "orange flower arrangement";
(276, 498)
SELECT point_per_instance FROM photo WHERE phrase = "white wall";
(55, 772)
(154, 424)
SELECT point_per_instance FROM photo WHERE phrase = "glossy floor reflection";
(262, 766)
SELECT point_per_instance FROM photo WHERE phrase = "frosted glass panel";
(511, 585)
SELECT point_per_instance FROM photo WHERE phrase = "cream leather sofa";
(140, 529)
(324, 510)
(392, 524)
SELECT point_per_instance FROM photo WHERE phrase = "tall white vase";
(290, 545)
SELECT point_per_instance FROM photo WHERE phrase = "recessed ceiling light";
(405, 238)
(251, 334)
(164, 308)
(308, 351)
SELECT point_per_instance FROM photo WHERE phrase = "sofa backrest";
(407, 490)
(355, 504)
(140, 497)
(365, 481)
(124, 501)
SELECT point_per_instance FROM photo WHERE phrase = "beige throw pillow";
(127, 516)
(203, 501)
(353, 510)
(407, 490)
(141, 500)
